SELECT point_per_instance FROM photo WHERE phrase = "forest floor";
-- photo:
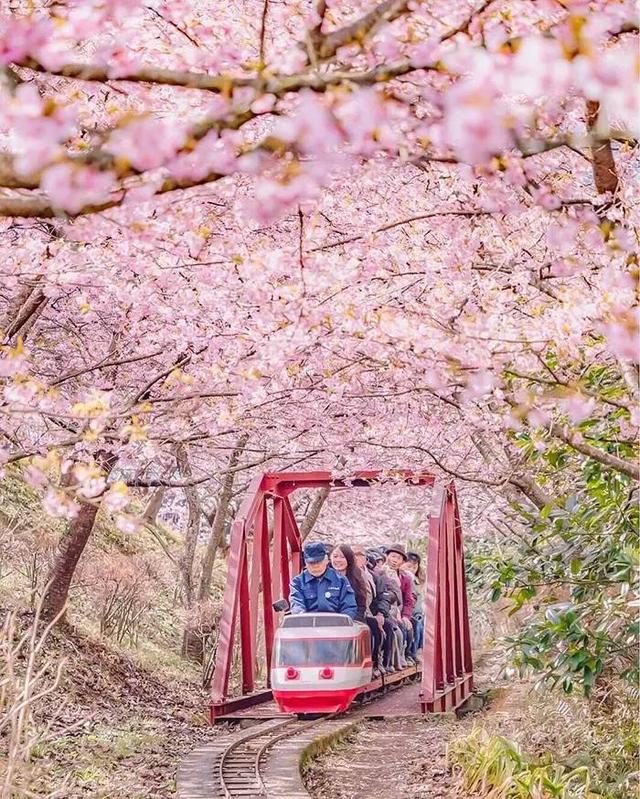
(407, 757)
(117, 730)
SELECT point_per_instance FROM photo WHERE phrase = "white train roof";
(319, 625)
(317, 620)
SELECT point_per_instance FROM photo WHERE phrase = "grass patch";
(325, 744)
(90, 761)
(104, 744)
(495, 767)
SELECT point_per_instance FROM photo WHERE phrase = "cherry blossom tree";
(400, 233)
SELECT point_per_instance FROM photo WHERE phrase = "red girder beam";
(446, 672)
(247, 629)
(269, 613)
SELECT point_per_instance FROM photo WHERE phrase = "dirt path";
(406, 758)
(387, 760)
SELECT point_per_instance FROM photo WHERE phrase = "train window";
(317, 652)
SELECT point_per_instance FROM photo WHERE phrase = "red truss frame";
(263, 560)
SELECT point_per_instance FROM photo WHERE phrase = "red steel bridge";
(265, 552)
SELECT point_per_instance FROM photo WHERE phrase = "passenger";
(319, 588)
(370, 585)
(414, 566)
(381, 609)
(374, 622)
(396, 557)
(399, 640)
(344, 562)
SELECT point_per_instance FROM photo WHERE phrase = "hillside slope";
(116, 729)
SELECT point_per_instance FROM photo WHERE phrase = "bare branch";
(575, 441)
(430, 215)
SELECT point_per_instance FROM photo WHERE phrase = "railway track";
(242, 764)
(239, 768)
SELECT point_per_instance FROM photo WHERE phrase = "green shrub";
(496, 768)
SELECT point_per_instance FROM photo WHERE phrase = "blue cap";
(314, 553)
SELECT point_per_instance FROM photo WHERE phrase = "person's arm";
(348, 603)
(408, 599)
(370, 590)
(296, 597)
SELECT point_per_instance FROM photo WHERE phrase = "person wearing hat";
(414, 567)
(319, 588)
(375, 621)
(396, 558)
(383, 602)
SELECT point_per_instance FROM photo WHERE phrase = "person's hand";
(380, 620)
(407, 623)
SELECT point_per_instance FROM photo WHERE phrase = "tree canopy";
(397, 233)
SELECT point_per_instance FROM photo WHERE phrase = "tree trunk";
(313, 512)
(605, 174)
(193, 529)
(24, 310)
(191, 638)
(631, 375)
(219, 519)
(70, 551)
(526, 485)
(574, 440)
(494, 452)
(153, 506)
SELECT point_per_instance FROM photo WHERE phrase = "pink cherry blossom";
(71, 187)
(579, 407)
(423, 54)
(623, 335)
(21, 37)
(116, 498)
(127, 524)
(147, 143)
(37, 130)
(213, 155)
(361, 257)
(57, 503)
(474, 124)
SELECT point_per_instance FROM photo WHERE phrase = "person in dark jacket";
(374, 622)
(319, 588)
(382, 606)
(414, 567)
(396, 558)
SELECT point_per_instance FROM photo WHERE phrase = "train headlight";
(291, 673)
(326, 673)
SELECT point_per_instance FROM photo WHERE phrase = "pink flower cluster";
(72, 187)
(22, 36)
(147, 143)
(38, 128)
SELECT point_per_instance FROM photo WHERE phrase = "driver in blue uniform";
(319, 588)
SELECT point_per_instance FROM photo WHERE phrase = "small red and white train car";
(321, 662)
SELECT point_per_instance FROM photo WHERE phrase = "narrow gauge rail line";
(240, 765)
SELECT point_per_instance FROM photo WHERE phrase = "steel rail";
(227, 793)
(256, 783)
(269, 743)
(253, 784)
